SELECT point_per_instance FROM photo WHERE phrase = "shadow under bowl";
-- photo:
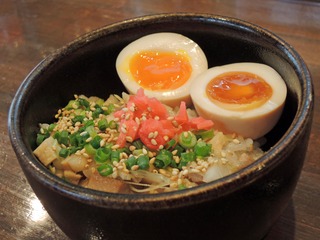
(243, 205)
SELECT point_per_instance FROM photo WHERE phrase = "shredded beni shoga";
(135, 143)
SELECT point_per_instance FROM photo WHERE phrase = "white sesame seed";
(157, 118)
(123, 130)
(144, 151)
(175, 171)
(174, 152)
(128, 116)
(135, 167)
(152, 160)
(153, 142)
(155, 134)
(150, 154)
(150, 135)
(236, 141)
(129, 139)
(88, 139)
(132, 148)
(176, 159)
(166, 138)
(102, 143)
(175, 123)
(116, 146)
(124, 155)
(132, 108)
(185, 172)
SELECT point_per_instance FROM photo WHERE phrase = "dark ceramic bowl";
(243, 205)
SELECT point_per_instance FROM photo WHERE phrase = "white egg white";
(252, 122)
(168, 42)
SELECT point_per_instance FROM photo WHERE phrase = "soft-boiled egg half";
(163, 64)
(242, 98)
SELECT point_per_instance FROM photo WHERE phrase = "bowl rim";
(179, 198)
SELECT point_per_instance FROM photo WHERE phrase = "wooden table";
(32, 29)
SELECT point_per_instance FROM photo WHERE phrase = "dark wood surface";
(31, 29)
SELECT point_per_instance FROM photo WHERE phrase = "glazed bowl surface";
(243, 205)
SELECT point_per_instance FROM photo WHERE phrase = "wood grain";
(32, 29)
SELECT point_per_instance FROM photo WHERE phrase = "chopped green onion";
(72, 104)
(163, 159)
(137, 152)
(143, 162)
(95, 142)
(115, 156)
(204, 134)
(100, 101)
(125, 150)
(138, 144)
(64, 152)
(111, 108)
(51, 127)
(73, 149)
(41, 138)
(83, 102)
(78, 140)
(105, 169)
(78, 118)
(179, 150)
(90, 149)
(62, 137)
(187, 139)
(170, 144)
(80, 111)
(89, 123)
(131, 161)
(185, 158)
(113, 124)
(92, 132)
(202, 149)
(102, 155)
(102, 124)
(97, 112)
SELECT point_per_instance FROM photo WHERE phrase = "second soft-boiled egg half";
(163, 64)
(242, 98)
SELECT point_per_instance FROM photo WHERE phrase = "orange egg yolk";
(238, 88)
(160, 70)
